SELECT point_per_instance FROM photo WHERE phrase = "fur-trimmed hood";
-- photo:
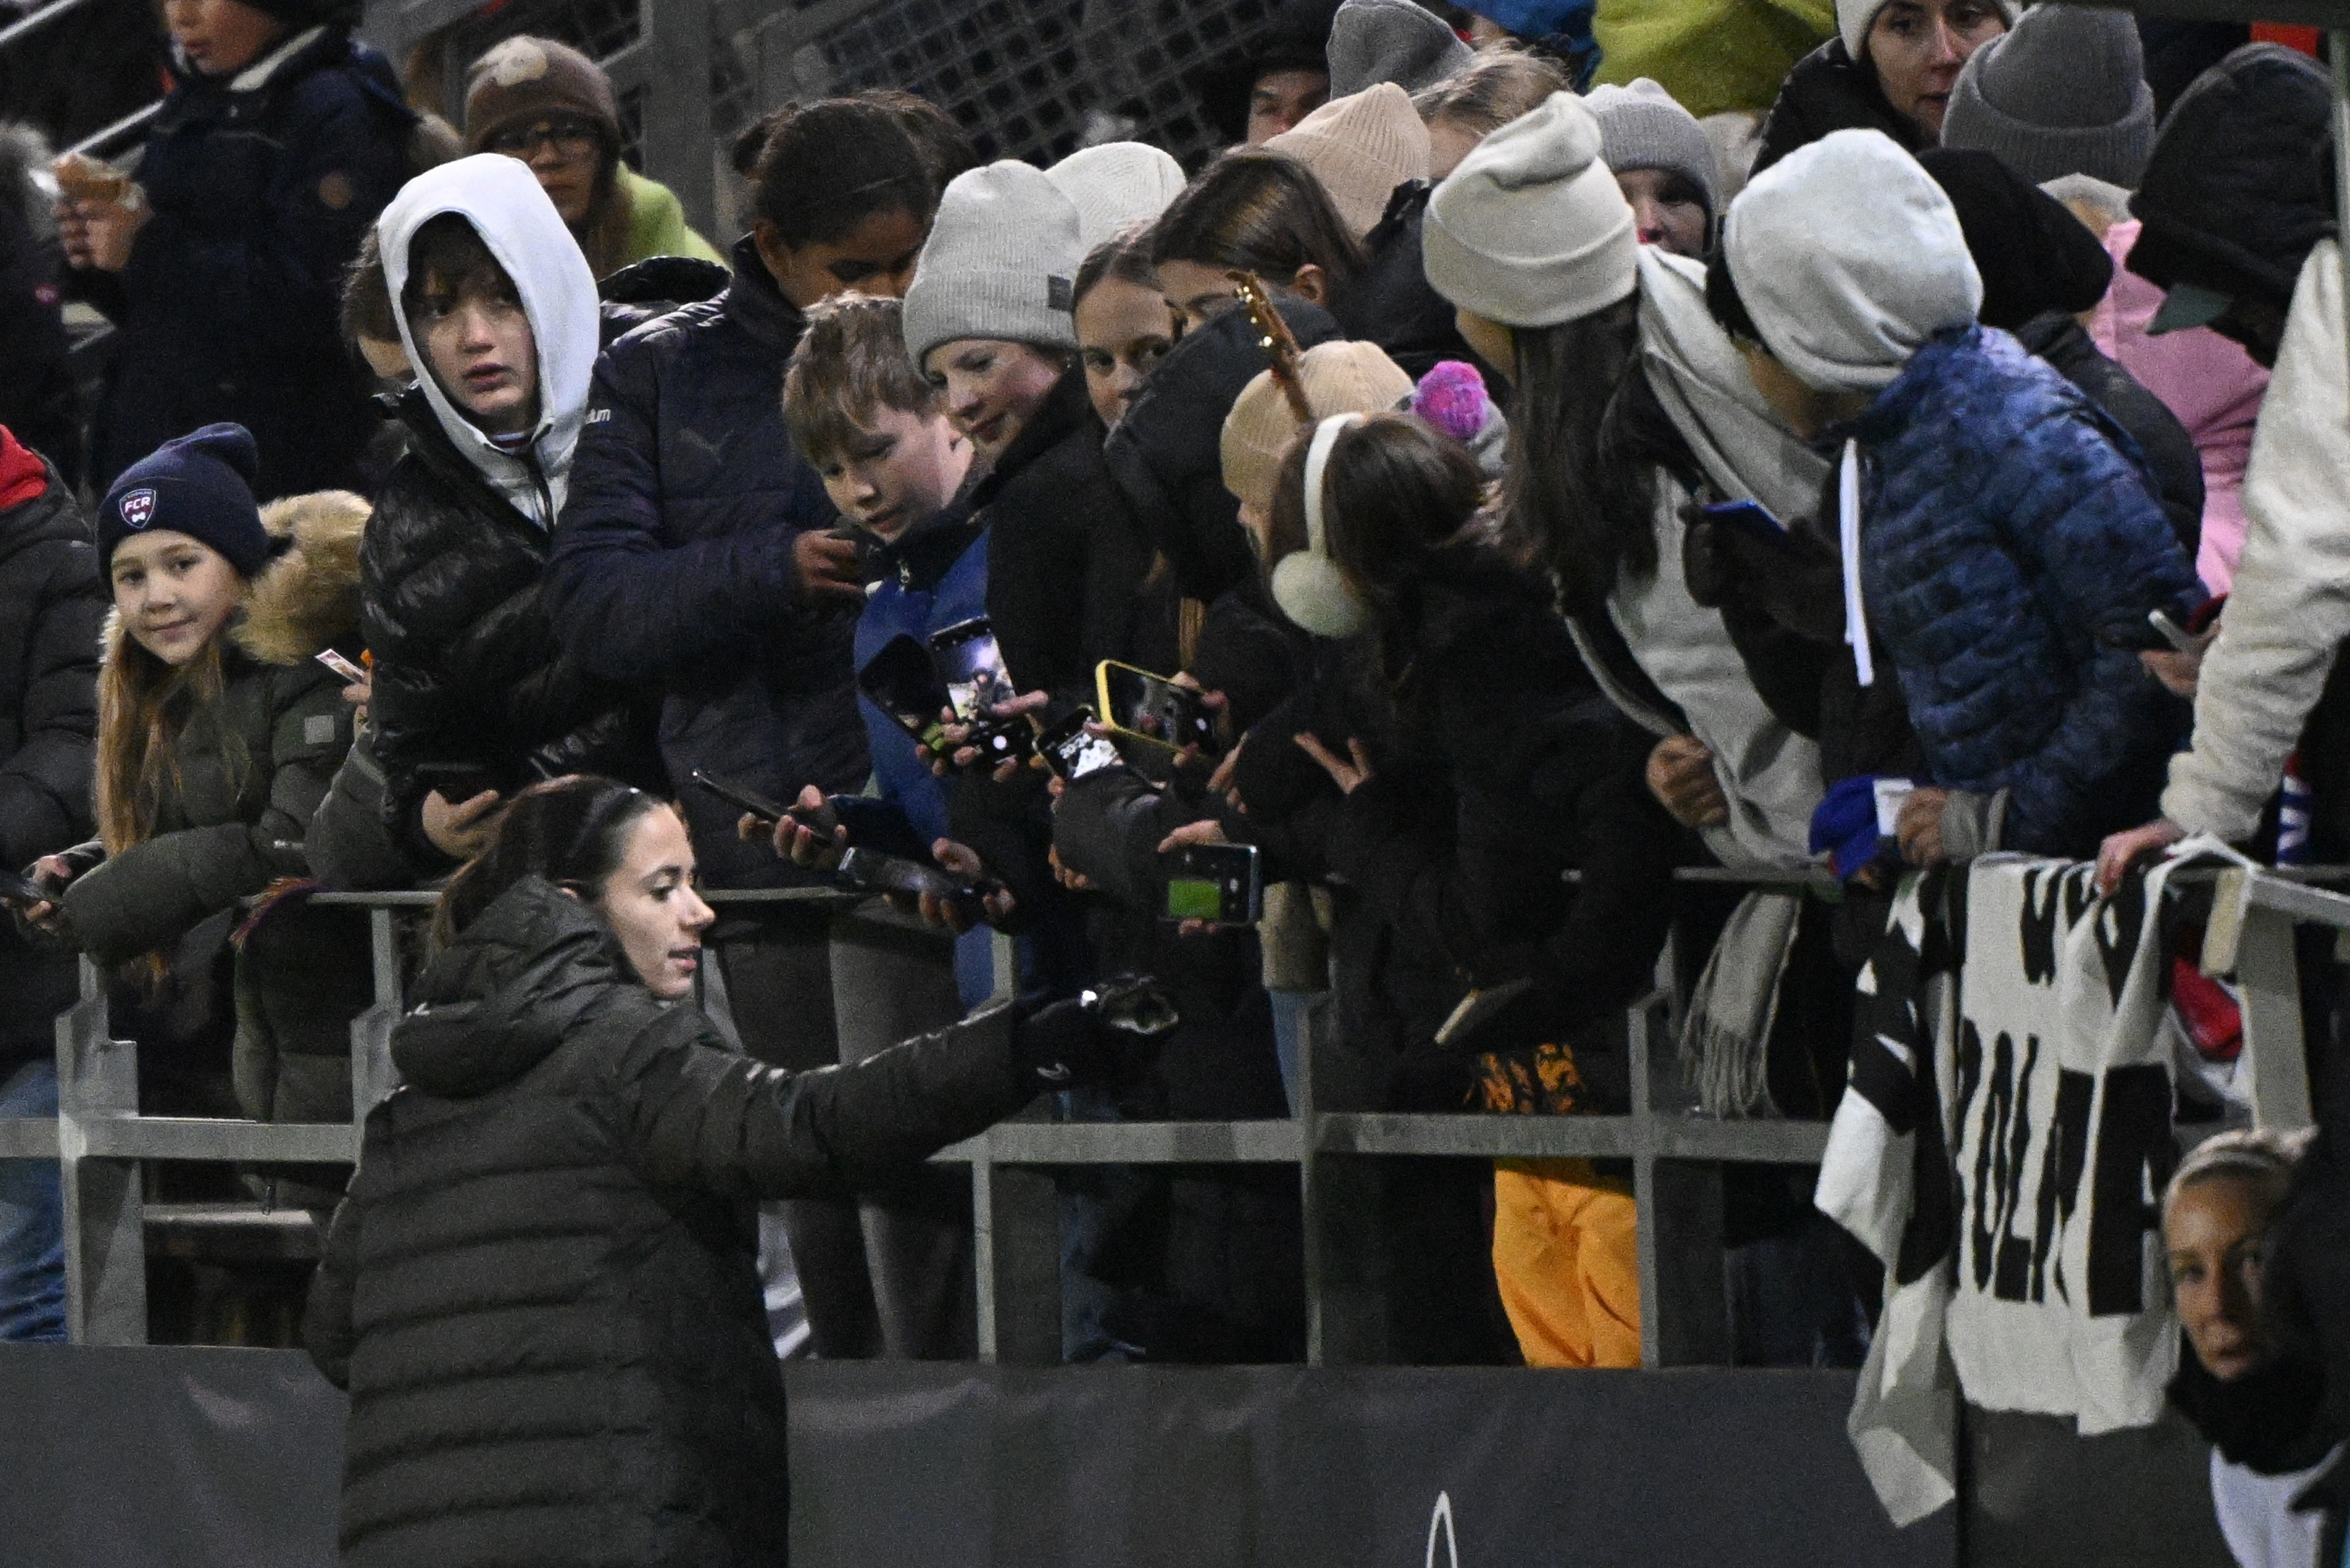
(307, 599)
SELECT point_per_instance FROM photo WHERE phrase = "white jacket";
(501, 198)
(2289, 609)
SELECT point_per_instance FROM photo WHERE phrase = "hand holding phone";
(811, 832)
(1071, 749)
(1215, 883)
(1146, 707)
(747, 801)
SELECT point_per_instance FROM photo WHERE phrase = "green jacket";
(657, 225)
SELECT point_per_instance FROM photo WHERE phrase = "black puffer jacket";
(1064, 561)
(1391, 303)
(1828, 90)
(542, 1291)
(2172, 460)
(52, 604)
(468, 668)
(1166, 454)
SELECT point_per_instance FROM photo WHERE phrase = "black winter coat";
(52, 605)
(1828, 90)
(672, 564)
(467, 667)
(230, 309)
(1166, 454)
(2169, 454)
(38, 400)
(541, 1290)
(1065, 563)
(1391, 303)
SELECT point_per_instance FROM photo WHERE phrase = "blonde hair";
(2263, 1155)
(1505, 83)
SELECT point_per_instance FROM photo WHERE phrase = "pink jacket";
(2213, 386)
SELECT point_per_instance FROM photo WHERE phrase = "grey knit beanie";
(1374, 41)
(2063, 93)
(1531, 230)
(1641, 127)
(998, 263)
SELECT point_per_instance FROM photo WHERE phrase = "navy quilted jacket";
(672, 564)
(2004, 528)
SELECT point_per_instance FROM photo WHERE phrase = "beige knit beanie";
(1531, 229)
(1339, 378)
(1361, 148)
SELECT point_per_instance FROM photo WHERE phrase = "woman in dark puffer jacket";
(541, 1291)
(472, 691)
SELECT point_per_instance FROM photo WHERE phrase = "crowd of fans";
(1520, 489)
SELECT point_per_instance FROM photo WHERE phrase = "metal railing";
(1677, 1157)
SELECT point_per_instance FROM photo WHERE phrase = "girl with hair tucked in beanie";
(218, 734)
(281, 139)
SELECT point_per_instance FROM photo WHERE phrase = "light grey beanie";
(1642, 126)
(1854, 17)
(1374, 41)
(1849, 257)
(999, 263)
(1116, 183)
(2063, 93)
(1531, 229)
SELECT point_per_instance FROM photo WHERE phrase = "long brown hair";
(572, 831)
(1260, 212)
(143, 709)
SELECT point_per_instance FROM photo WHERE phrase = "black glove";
(1108, 1035)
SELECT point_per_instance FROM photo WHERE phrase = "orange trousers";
(1566, 1257)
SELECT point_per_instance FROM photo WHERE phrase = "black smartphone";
(904, 683)
(457, 783)
(1072, 754)
(1221, 883)
(1153, 708)
(870, 871)
(968, 662)
(1752, 518)
(742, 799)
(971, 670)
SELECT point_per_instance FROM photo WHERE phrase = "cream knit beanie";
(1115, 184)
(1531, 230)
(1848, 257)
(1361, 149)
(1854, 17)
(1000, 263)
(1339, 378)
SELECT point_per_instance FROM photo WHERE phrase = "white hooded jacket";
(502, 199)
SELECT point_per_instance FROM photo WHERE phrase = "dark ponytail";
(572, 832)
(828, 166)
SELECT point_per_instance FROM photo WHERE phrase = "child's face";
(1668, 210)
(220, 38)
(1123, 330)
(899, 469)
(478, 343)
(174, 593)
(993, 388)
(876, 257)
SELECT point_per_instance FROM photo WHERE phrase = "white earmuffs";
(1308, 584)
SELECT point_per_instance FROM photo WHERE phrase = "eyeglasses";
(569, 138)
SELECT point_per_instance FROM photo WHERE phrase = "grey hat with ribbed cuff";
(999, 264)
(2061, 93)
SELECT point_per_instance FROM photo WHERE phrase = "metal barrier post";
(2250, 934)
(106, 1244)
(373, 1076)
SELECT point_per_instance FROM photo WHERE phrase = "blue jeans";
(32, 1217)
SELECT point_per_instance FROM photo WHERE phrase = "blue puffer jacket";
(261, 186)
(672, 564)
(2007, 524)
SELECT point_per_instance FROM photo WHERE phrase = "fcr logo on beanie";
(200, 485)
